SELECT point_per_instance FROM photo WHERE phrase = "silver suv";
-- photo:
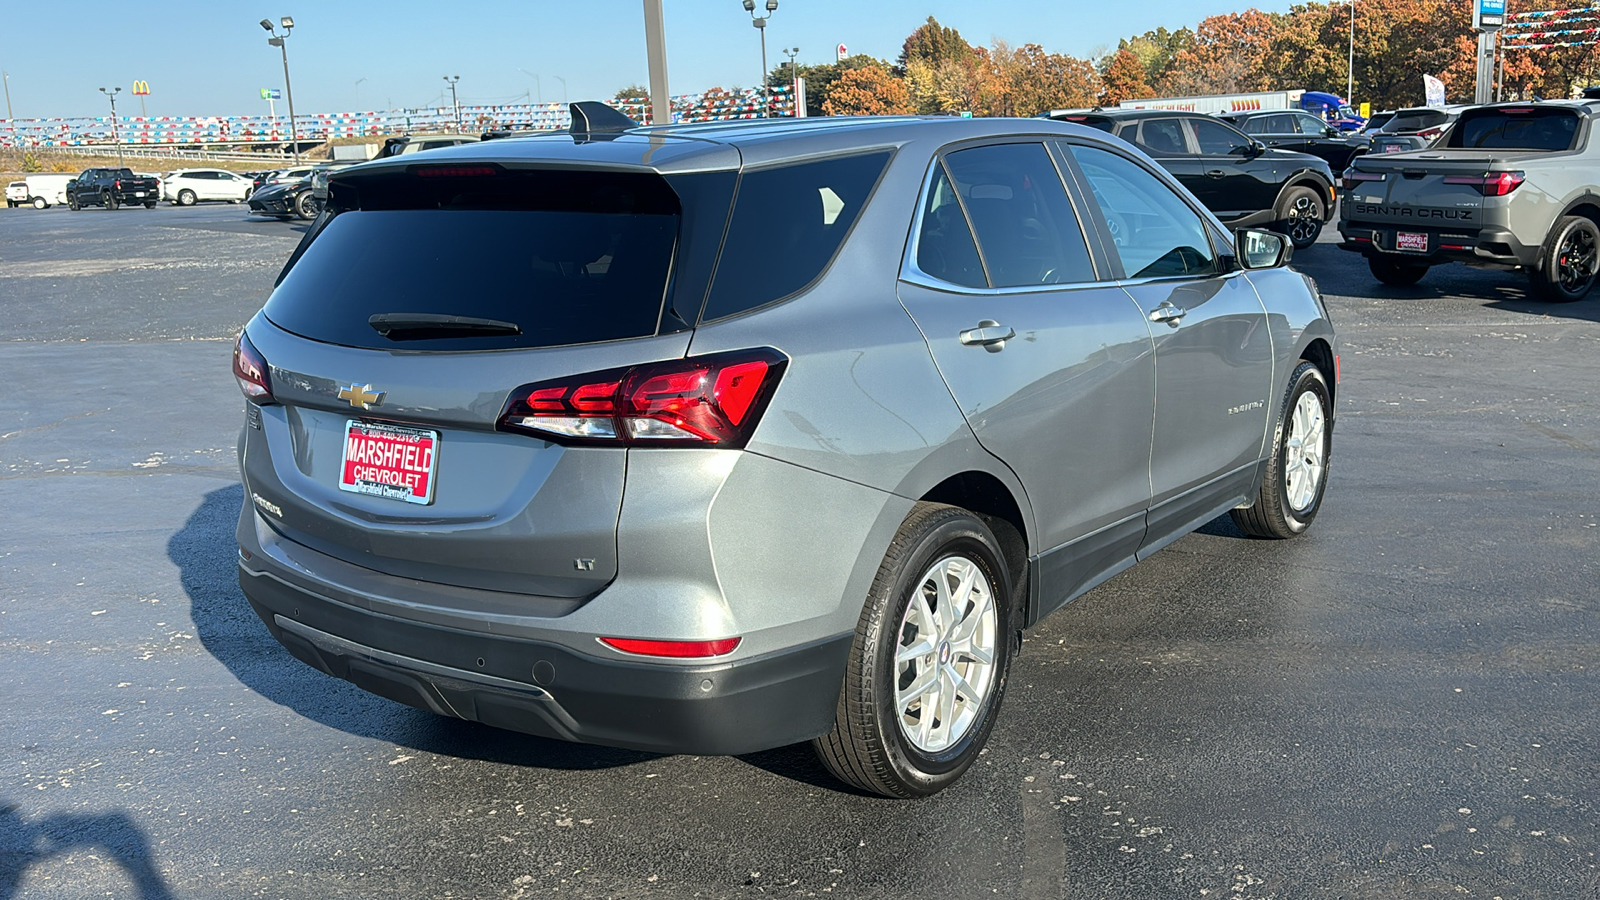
(714, 438)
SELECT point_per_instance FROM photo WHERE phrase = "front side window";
(1155, 232)
(1218, 139)
(1311, 125)
(1025, 225)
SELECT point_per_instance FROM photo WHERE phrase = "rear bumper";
(1490, 247)
(545, 689)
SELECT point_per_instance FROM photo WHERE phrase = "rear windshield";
(1416, 121)
(1104, 123)
(563, 259)
(1515, 128)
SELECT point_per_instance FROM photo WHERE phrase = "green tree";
(933, 44)
(1155, 49)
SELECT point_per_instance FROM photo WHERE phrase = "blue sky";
(211, 58)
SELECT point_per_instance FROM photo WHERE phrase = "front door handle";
(1168, 313)
(990, 335)
(1215, 173)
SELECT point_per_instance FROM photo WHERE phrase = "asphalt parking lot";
(1401, 703)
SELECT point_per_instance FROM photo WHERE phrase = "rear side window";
(1162, 136)
(787, 224)
(562, 257)
(1515, 129)
(1025, 224)
(945, 249)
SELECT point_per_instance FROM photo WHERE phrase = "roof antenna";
(594, 117)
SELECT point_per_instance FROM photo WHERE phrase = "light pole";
(794, 77)
(358, 92)
(287, 23)
(563, 87)
(1350, 76)
(760, 22)
(116, 135)
(11, 124)
(454, 103)
(537, 87)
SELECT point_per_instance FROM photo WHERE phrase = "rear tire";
(1297, 472)
(149, 204)
(40, 203)
(1300, 215)
(1566, 270)
(925, 679)
(109, 200)
(1395, 272)
(186, 197)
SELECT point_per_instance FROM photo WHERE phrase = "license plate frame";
(383, 467)
(1411, 242)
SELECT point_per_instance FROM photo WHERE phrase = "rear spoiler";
(590, 119)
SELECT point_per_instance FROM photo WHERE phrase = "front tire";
(73, 204)
(305, 206)
(1394, 272)
(1566, 270)
(1300, 216)
(930, 659)
(1297, 472)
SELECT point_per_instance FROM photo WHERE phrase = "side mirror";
(1330, 131)
(1259, 249)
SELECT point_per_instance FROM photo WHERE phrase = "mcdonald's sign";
(141, 88)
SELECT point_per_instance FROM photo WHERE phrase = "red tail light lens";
(673, 649)
(1495, 184)
(1351, 178)
(251, 369)
(1430, 133)
(706, 401)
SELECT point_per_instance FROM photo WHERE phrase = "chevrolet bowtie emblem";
(361, 395)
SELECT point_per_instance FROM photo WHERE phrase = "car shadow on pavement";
(205, 552)
(115, 836)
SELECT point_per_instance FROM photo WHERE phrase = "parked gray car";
(713, 438)
(1511, 186)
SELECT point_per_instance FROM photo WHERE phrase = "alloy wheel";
(1305, 456)
(1305, 219)
(944, 665)
(1575, 263)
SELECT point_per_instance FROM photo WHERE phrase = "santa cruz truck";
(1512, 186)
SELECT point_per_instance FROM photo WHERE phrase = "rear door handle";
(990, 335)
(1215, 173)
(1168, 313)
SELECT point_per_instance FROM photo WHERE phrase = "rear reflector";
(250, 368)
(673, 649)
(704, 401)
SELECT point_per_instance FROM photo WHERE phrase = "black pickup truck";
(112, 188)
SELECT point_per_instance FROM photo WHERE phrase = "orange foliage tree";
(868, 91)
(1225, 55)
(1123, 79)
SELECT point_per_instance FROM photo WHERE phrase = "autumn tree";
(934, 45)
(1123, 79)
(1155, 49)
(867, 91)
(821, 78)
(1026, 81)
(1225, 56)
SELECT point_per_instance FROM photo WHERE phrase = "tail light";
(702, 401)
(251, 369)
(117, 184)
(1495, 184)
(1352, 177)
(1429, 134)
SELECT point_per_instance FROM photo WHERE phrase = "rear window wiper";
(420, 326)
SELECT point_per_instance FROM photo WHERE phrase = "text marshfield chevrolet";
(714, 438)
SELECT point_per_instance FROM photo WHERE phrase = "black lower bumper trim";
(548, 690)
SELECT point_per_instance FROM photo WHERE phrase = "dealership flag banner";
(1433, 89)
